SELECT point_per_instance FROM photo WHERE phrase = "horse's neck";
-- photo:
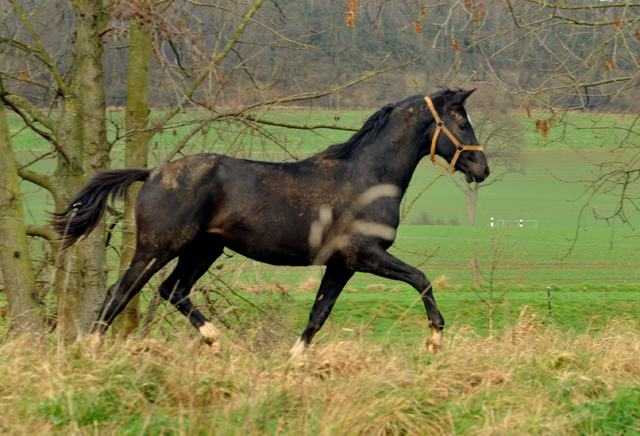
(393, 161)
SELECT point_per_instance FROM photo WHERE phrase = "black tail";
(85, 210)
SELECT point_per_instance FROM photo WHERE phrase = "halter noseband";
(459, 147)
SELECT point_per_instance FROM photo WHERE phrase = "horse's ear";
(459, 97)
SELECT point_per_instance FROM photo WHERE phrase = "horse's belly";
(267, 227)
(271, 254)
(273, 244)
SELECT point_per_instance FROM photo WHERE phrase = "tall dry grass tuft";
(376, 288)
(273, 287)
(311, 285)
(441, 283)
(525, 379)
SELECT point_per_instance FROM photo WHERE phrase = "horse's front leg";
(335, 278)
(375, 260)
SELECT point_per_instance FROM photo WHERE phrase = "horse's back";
(262, 210)
(265, 210)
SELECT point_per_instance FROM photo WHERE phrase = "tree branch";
(184, 141)
(49, 137)
(589, 6)
(214, 63)
(35, 113)
(37, 178)
(316, 95)
(302, 126)
(29, 81)
(44, 232)
(455, 182)
(301, 97)
(284, 38)
(40, 47)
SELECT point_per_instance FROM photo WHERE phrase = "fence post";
(549, 305)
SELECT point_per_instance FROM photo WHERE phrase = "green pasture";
(509, 365)
(589, 285)
(533, 258)
(550, 193)
(400, 317)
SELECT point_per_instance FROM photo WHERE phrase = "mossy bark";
(92, 20)
(19, 278)
(136, 152)
(66, 180)
(81, 278)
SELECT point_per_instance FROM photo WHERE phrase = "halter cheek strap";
(459, 147)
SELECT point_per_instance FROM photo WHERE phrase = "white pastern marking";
(298, 349)
(434, 343)
(92, 342)
(209, 332)
(210, 335)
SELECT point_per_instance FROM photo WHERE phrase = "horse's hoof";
(91, 343)
(298, 349)
(215, 347)
(434, 344)
(211, 336)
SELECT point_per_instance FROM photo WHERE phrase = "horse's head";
(453, 137)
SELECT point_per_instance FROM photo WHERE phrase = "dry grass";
(311, 285)
(273, 287)
(441, 283)
(375, 288)
(525, 380)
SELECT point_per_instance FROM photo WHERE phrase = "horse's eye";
(464, 126)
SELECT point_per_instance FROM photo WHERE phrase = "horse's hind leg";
(334, 280)
(193, 262)
(141, 269)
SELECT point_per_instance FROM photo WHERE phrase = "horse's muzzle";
(475, 174)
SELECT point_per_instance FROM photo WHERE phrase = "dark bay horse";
(339, 207)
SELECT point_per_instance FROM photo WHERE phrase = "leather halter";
(459, 147)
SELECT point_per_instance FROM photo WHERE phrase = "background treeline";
(580, 55)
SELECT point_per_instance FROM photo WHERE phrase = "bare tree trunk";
(472, 202)
(67, 179)
(20, 281)
(470, 191)
(137, 118)
(92, 20)
(83, 294)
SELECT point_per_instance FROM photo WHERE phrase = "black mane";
(371, 129)
(364, 136)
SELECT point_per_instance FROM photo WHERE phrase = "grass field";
(508, 367)
(524, 379)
